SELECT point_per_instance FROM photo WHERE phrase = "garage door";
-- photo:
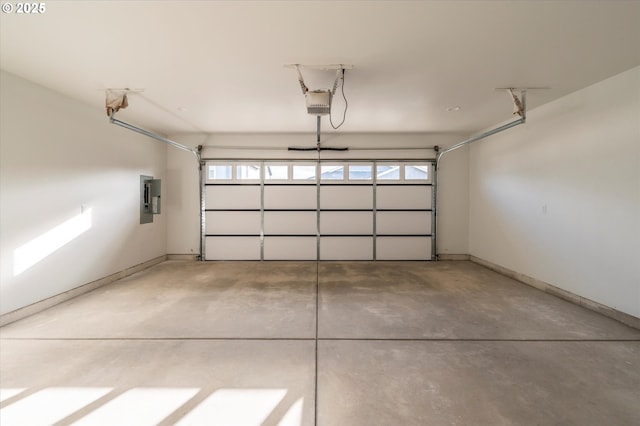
(297, 210)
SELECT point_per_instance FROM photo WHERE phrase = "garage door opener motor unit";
(318, 102)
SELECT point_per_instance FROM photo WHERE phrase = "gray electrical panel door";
(150, 190)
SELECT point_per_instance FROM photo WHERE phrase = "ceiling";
(218, 66)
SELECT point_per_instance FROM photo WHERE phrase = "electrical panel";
(150, 190)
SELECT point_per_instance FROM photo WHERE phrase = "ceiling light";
(454, 108)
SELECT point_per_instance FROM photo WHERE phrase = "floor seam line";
(169, 339)
(305, 339)
(475, 340)
(315, 393)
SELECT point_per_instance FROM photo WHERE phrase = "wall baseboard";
(612, 313)
(34, 308)
(191, 257)
(453, 257)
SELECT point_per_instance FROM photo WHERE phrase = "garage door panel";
(355, 217)
(290, 248)
(403, 248)
(287, 223)
(346, 197)
(232, 248)
(346, 248)
(290, 197)
(239, 223)
(407, 223)
(349, 223)
(403, 197)
(232, 197)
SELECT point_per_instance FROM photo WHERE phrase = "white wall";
(182, 203)
(182, 189)
(56, 156)
(558, 199)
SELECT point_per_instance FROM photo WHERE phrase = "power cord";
(346, 106)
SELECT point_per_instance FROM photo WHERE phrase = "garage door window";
(304, 172)
(388, 172)
(276, 171)
(248, 171)
(220, 172)
(332, 172)
(360, 172)
(416, 172)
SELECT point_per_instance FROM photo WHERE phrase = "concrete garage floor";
(388, 343)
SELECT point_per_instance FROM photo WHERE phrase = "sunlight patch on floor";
(49, 405)
(139, 407)
(293, 417)
(9, 393)
(240, 407)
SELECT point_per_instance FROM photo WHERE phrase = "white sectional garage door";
(269, 210)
